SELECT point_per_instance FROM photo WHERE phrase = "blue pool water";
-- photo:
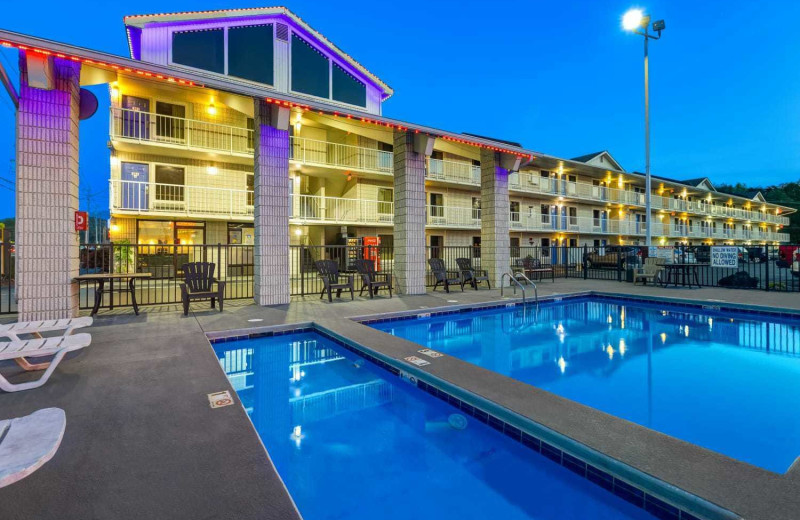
(352, 441)
(725, 381)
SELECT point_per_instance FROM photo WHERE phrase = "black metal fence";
(8, 296)
(766, 267)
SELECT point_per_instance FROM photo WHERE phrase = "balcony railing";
(311, 208)
(170, 199)
(324, 153)
(149, 127)
(460, 172)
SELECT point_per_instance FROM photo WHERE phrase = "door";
(564, 217)
(554, 216)
(134, 186)
(604, 221)
(135, 117)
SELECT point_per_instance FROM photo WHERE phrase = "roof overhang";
(140, 21)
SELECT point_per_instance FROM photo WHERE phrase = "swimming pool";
(352, 441)
(727, 381)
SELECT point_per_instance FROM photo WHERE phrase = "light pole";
(635, 20)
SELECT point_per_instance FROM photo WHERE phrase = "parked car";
(753, 254)
(611, 256)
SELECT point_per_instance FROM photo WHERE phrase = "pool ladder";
(513, 278)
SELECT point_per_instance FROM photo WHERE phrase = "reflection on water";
(352, 442)
(713, 379)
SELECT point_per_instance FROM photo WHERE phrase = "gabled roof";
(598, 158)
(700, 182)
(141, 20)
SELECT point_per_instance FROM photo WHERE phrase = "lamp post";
(639, 23)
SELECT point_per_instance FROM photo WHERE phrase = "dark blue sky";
(559, 77)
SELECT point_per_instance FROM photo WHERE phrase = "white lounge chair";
(26, 443)
(13, 331)
(20, 350)
(68, 325)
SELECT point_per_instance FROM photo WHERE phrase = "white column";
(409, 215)
(47, 188)
(495, 214)
(271, 205)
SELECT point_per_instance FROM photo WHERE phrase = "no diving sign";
(725, 256)
(220, 399)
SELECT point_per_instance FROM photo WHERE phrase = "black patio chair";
(471, 276)
(535, 270)
(372, 280)
(440, 274)
(199, 284)
(333, 280)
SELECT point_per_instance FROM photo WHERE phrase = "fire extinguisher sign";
(81, 221)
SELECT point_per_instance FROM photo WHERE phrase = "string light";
(101, 64)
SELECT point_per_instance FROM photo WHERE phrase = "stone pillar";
(495, 214)
(409, 215)
(271, 205)
(47, 188)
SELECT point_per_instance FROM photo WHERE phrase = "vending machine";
(372, 250)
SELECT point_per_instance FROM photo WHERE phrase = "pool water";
(352, 441)
(726, 381)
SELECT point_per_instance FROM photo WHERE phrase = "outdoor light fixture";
(212, 109)
(636, 21)
(298, 122)
(212, 170)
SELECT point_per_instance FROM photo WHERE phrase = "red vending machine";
(372, 250)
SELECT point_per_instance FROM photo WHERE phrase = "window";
(347, 88)
(250, 187)
(170, 122)
(310, 69)
(385, 200)
(437, 243)
(240, 234)
(200, 49)
(546, 247)
(476, 208)
(573, 216)
(514, 207)
(251, 134)
(515, 252)
(437, 204)
(545, 213)
(152, 232)
(250, 53)
(476, 247)
(169, 183)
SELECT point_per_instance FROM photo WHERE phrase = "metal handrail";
(535, 289)
(510, 278)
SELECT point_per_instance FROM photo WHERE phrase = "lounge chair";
(14, 330)
(332, 280)
(440, 274)
(199, 284)
(372, 280)
(651, 272)
(26, 443)
(471, 276)
(20, 350)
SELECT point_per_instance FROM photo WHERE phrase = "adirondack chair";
(471, 276)
(650, 272)
(534, 269)
(332, 280)
(440, 275)
(372, 280)
(199, 284)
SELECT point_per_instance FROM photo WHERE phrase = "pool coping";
(697, 480)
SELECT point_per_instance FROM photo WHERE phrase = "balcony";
(459, 172)
(149, 198)
(135, 127)
(308, 209)
(340, 156)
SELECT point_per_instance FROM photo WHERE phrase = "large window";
(170, 124)
(250, 53)
(200, 49)
(169, 183)
(310, 69)
(347, 88)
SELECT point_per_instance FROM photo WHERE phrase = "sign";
(81, 221)
(663, 252)
(414, 360)
(220, 399)
(725, 256)
(430, 353)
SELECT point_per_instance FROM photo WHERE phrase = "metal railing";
(324, 153)
(180, 132)
(460, 172)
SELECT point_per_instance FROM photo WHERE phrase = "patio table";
(683, 271)
(102, 278)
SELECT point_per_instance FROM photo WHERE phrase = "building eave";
(140, 21)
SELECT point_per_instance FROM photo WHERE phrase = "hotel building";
(231, 125)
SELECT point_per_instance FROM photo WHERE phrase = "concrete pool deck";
(142, 441)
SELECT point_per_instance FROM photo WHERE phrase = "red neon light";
(98, 63)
